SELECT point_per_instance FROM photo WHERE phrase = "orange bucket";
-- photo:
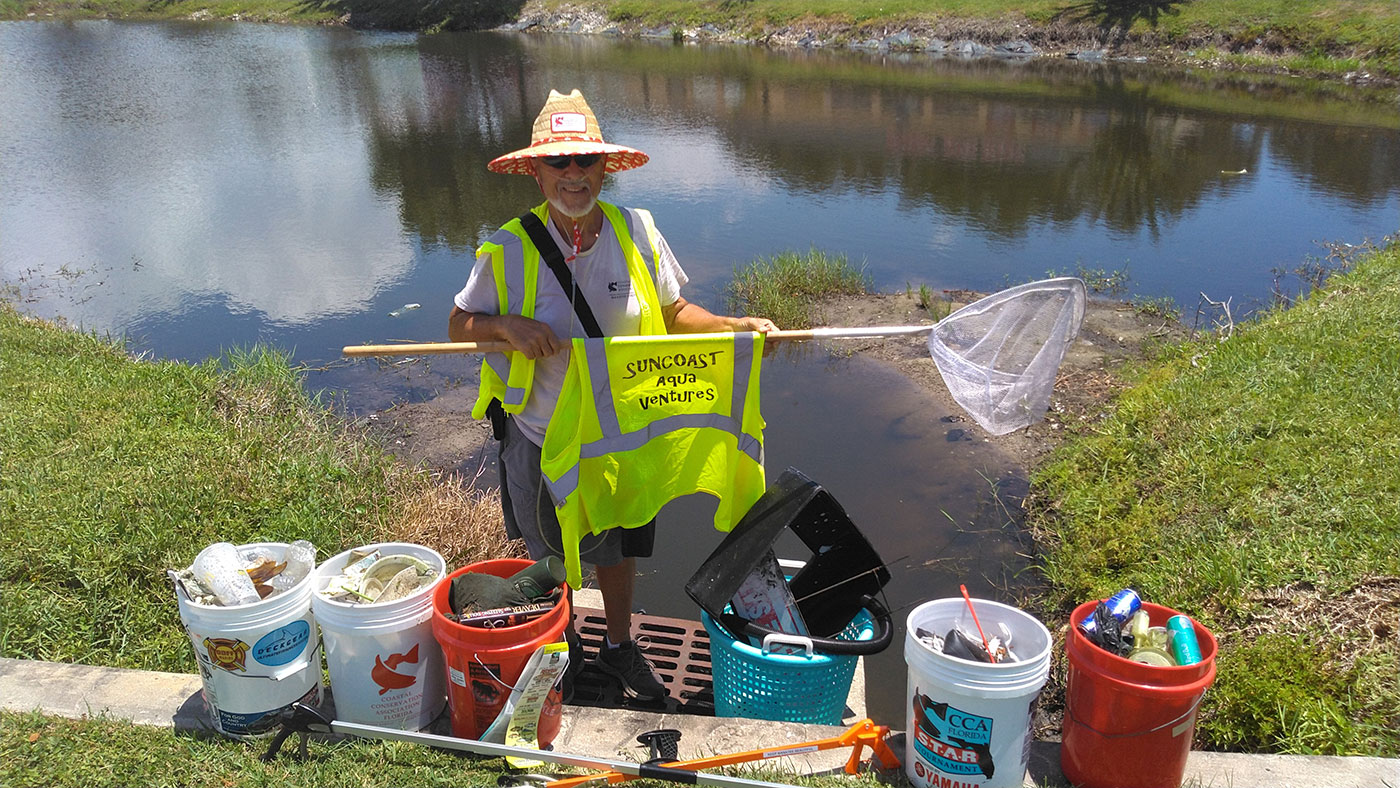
(1130, 725)
(483, 664)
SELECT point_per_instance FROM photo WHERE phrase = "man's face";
(573, 190)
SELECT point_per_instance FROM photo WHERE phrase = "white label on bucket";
(458, 677)
(951, 740)
(1184, 726)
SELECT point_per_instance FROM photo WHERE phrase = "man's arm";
(530, 337)
(684, 317)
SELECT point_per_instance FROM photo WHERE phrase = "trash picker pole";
(860, 735)
(438, 348)
(305, 719)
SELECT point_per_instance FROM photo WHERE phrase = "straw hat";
(566, 126)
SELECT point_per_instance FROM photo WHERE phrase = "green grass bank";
(1251, 482)
(1334, 38)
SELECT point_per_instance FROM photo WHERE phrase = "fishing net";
(999, 356)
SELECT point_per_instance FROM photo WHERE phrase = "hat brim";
(620, 157)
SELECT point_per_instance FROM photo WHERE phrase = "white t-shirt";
(603, 278)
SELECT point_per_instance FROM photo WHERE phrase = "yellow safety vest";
(515, 264)
(643, 420)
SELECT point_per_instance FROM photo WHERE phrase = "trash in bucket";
(969, 719)
(485, 663)
(1120, 626)
(224, 575)
(374, 606)
(1129, 722)
(256, 656)
(377, 574)
(486, 600)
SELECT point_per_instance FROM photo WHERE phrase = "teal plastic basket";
(771, 684)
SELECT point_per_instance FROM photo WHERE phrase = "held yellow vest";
(515, 264)
(643, 420)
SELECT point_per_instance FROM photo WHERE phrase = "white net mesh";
(999, 356)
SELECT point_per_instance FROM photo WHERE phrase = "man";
(629, 283)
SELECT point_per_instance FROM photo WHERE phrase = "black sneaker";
(627, 664)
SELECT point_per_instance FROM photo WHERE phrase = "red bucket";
(483, 664)
(1130, 725)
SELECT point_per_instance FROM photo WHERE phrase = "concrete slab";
(173, 700)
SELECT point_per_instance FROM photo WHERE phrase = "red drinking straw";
(985, 644)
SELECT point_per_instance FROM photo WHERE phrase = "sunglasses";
(583, 160)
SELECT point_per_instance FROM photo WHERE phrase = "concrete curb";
(174, 700)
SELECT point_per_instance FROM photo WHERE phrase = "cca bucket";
(483, 665)
(255, 659)
(1129, 725)
(969, 723)
(385, 664)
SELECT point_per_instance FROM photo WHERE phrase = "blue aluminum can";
(1121, 606)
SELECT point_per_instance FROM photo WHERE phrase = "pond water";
(200, 186)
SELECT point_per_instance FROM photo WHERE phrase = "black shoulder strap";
(549, 250)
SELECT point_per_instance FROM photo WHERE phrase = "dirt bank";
(441, 434)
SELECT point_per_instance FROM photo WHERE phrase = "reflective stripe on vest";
(643, 420)
(515, 265)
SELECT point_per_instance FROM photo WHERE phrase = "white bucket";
(255, 659)
(386, 667)
(969, 723)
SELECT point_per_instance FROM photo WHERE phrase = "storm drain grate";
(679, 649)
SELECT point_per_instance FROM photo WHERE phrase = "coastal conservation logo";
(231, 654)
(384, 675)
(951, 741)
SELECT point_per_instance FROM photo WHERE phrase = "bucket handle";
(878, 642)
(1069, 709)
(800, 641)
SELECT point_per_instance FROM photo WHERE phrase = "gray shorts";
(529, 511)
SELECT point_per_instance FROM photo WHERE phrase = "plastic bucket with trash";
(247, 612)
(374, 605)
(491, 618)
(1137, 674)
(976, 668)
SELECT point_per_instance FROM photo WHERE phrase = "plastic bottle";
(539, 578)
(219, 569)
(300, 559)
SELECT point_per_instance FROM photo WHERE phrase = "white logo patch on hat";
(568, 122)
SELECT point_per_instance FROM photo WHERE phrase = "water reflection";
(287, 184)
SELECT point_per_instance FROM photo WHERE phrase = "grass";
(113, 470)
(787, 287)
(1325, 37)
(1251, 482)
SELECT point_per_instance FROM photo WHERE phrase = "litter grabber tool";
(304, 719)
(663, 747)
(432, 348)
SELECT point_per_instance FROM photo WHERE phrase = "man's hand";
(531, 337)
(684, 317)
(760, 324)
